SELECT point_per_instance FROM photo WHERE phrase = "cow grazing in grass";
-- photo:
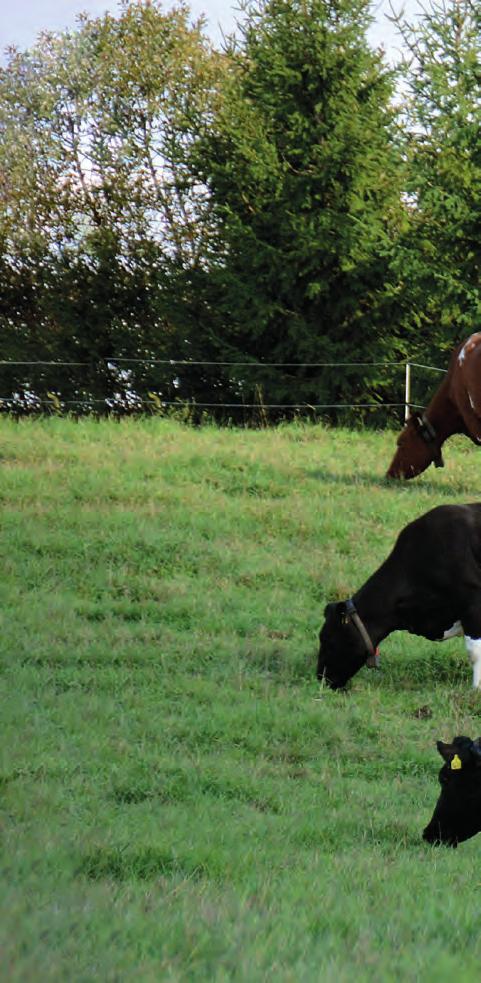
(454, 408)
(429, 585)
(457, 815)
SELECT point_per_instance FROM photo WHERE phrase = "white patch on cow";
(457, 629)
(473, 646)
(471, 400)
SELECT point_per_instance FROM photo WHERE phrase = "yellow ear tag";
(456, 763)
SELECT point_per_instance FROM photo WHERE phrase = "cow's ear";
(476, 751)
(334, 608)
(446, 750)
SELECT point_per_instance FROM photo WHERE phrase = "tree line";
(286, 201)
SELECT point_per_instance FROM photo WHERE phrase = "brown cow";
(454, 408)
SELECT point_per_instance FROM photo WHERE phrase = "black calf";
(457, 815)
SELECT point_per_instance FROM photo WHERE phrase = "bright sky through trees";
(21, 22)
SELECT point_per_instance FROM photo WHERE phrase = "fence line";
(130, 401)
(261, 365)
(196, 405)
(419, 365)
(11, 362)
(256, 365)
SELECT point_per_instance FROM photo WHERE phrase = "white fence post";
(407, 392)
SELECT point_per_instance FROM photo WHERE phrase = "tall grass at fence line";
(178, 799)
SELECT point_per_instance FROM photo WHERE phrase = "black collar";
(428, 433)
(351, 614)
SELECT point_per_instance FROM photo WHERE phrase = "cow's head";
(457, 815)
(342, 651)
(417, 447)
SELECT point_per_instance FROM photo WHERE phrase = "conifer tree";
(305, 173)
(440, 259)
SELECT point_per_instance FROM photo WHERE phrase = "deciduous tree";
(102, 215)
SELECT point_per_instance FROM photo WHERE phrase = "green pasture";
(178, 799)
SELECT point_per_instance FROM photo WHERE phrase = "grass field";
(179, 801)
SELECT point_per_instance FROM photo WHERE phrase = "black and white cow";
(429, 585)
(457, 815)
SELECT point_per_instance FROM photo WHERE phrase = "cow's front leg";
(471, 622)
(473, 646)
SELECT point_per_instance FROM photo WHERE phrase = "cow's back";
(448, 535)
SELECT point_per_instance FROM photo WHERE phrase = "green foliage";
(440, 256)
(178, 800)
(305, 175)
(102, 214)
(270, 203)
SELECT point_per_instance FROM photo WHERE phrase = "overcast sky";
(22, 20)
